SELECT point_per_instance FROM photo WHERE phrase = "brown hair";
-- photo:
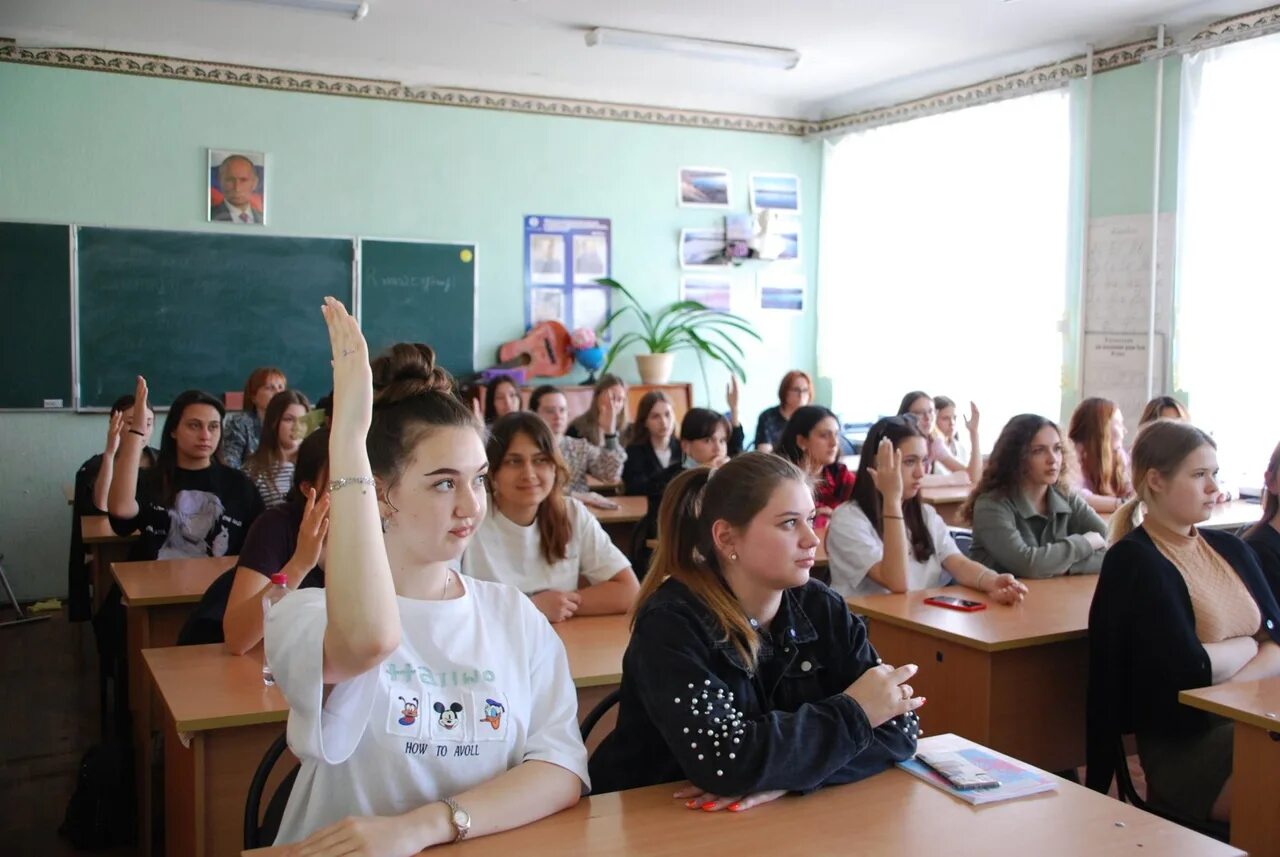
(789, 379)
(588, 422)
(491, 395)
(1153, 410)
(257, 378)
(411, 398)
(554, 527)
(897, 429)
(693, 502)
(1090, 431)
(1270, 500)
(267, 455)
(639, 430)
(1161, 446)
(1003, 472)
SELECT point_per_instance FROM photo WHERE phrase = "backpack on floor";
(101, 813)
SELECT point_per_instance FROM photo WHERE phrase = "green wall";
(119, 150)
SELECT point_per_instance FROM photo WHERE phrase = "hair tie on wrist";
(138, 433)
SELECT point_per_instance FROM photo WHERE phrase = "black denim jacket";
(690, 708)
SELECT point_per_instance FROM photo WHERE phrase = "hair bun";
(407, 370)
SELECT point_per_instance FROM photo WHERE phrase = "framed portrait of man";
(237, 187)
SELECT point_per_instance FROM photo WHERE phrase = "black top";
(769, 426)
(210, 513)
(272, 540)
(643, 475)
(1143, 647)
(788, 725)
(1266, 546)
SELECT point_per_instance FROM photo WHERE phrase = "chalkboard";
(420, 292)
(35, 315)
(202, 310)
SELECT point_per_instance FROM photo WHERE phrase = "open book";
(1017, 779)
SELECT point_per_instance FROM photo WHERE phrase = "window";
(1228, 258)
(944, 261)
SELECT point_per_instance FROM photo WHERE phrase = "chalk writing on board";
(424, 282)
(1118, 282)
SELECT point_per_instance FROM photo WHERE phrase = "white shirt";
(505, 552)
(853, 546)
(478, 685)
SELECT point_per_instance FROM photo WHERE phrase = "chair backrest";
(593, 717)
(261, 834)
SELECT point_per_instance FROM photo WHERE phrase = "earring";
(733, 557)
(385, 522)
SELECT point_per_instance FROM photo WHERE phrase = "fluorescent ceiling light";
(353, 9)
(706, 49)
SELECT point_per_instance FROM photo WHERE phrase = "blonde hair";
(1161, 446)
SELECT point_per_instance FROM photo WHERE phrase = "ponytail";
(1161, 446)
(1124, 520)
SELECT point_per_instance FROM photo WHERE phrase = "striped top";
(274, 484)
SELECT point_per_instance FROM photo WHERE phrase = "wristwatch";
(460, 818)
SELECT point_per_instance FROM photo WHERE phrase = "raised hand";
(606, 414)
(352, 375)
(311, 535)
(887, 474)
(114, 428)
(731, 393)
(971, 421)
(138, 416)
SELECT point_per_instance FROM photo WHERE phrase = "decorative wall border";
(1041, 78)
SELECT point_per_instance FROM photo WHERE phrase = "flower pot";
(655, 368)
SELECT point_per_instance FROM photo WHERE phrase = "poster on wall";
(563, 258)
(237, 187)
(781, 290)
(703, 187)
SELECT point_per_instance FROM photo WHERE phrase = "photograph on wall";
(788, 229)
(775, 191)
(237, 187)
(590, 258)
(548, 305)
(781, 290)
(712, 291)
(590, 308)
(702, 248)
(704, 187)
(546, 259)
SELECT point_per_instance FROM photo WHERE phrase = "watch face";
(461, 818)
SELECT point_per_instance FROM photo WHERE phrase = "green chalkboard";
(203, 309)
(418, 292)
(35, 315)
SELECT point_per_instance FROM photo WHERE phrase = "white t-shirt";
(506, 552)
(478, 685)
(853, 546)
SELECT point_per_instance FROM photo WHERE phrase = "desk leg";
(138, 637)
(1255, 807)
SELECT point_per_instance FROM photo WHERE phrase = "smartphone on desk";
(951, 602)
(962, 774)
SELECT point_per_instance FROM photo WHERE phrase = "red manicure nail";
(735, 807)
(692, 803)
(922, 701)
(708, 805)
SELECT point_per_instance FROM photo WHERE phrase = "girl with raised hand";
(400, 657)
(742, 675)
(595, 422)
(271, 465)
(941, 461)
(888, 540)
(582, 457)
(545, 544)
(1026, 519)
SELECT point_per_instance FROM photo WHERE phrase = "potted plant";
(687, 325)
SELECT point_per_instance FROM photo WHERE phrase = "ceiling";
(856, 54)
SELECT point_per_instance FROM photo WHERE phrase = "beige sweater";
(1220, 601)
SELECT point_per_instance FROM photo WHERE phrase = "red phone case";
(977, 605)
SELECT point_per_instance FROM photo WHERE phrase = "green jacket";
(1009, 535)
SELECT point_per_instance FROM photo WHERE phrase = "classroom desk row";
(890, 813)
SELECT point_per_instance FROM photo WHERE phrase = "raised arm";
(122, 498)
(102, 483)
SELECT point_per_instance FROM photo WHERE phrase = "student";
(811, 441)
(709, 438)
(654, 456)
(270, 466)
(1163, 407)
(949, 429)
(743, 675)
(501, 397)
(795, 391)
(941, 462)
(243, 430)
(888, 539)
(188, 505)
(589, 424)
(1101, 475)
(92, 485)
(1176, 607)
(289, 538)
(1026, 519)
(581, 456)
(399, 656)
(1264, 536)
(545, 544)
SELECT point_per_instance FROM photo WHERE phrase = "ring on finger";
(906, 692)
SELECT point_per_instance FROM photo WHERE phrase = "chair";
(602, 707)
(23, 616)
(261, 835)
(1129, 794)
(964, 539)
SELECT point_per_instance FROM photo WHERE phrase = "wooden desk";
(105, 547)
(1233, 515)
(620, 522)
(1012, 678)
(157, 596)
(218, 703)
(947, 500)
(1255, 806)
(892, 813)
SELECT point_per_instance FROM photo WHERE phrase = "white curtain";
(1228, 255)
(943, 261)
